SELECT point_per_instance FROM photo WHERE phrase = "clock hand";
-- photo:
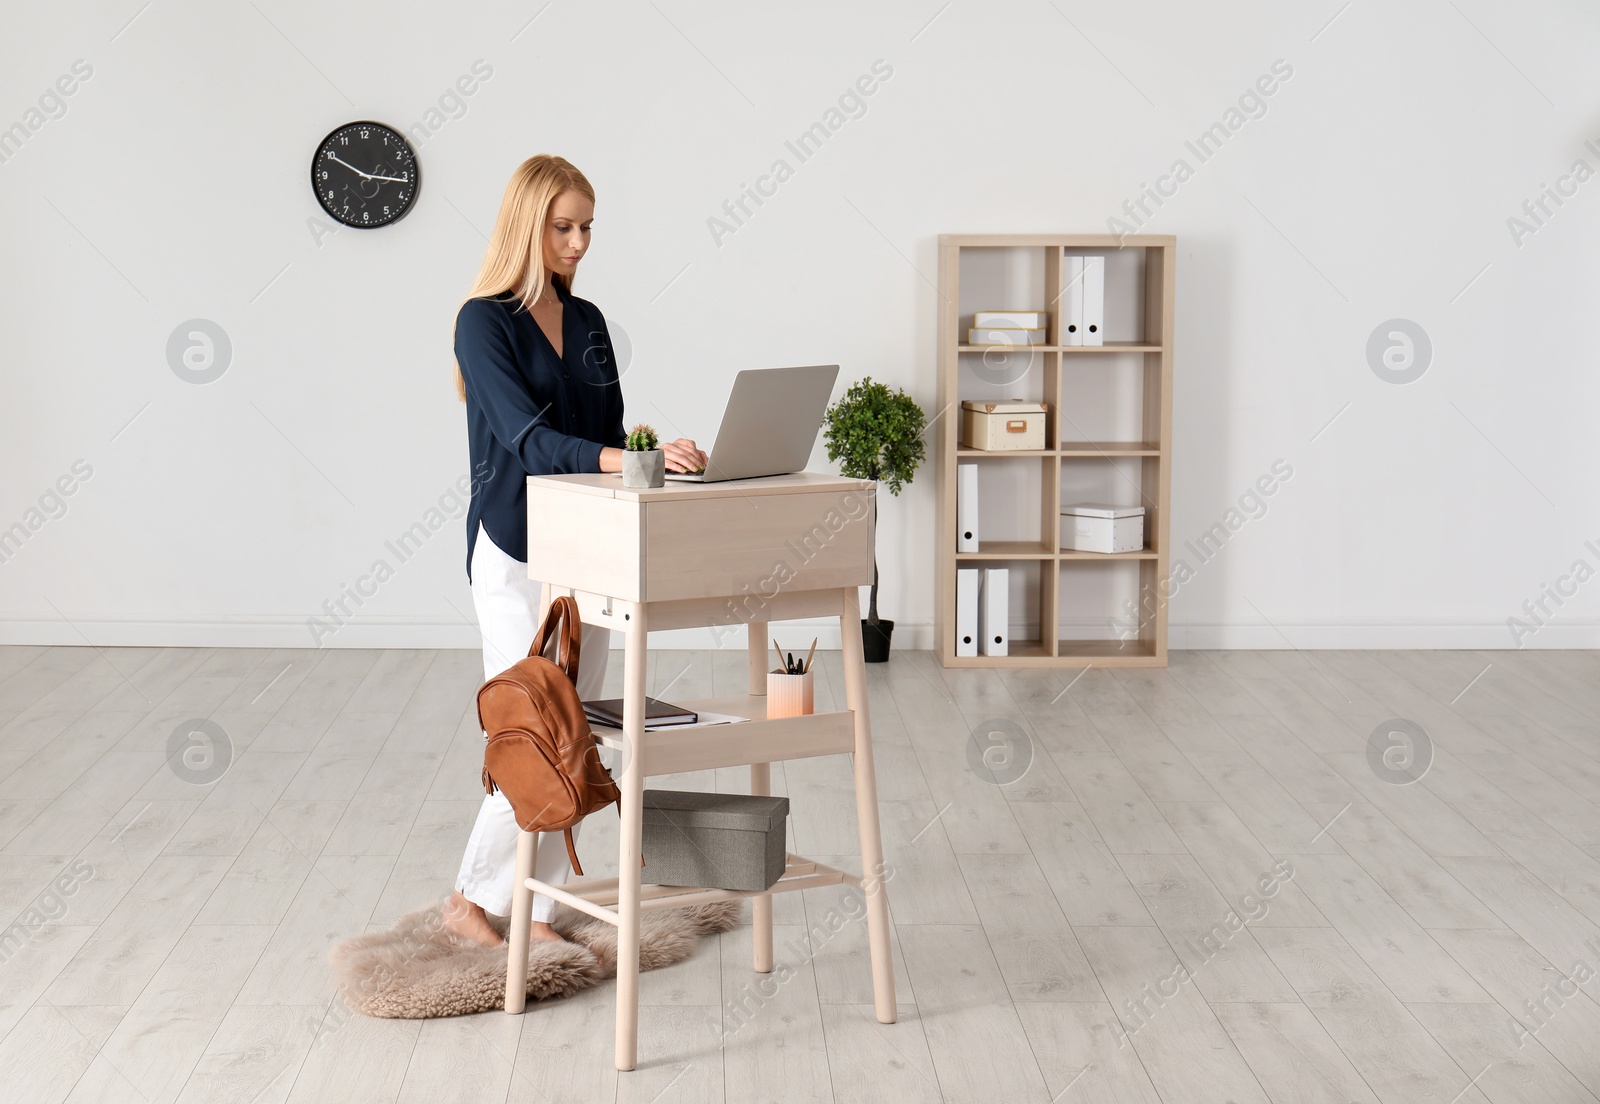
(369, 176)
(346, 164)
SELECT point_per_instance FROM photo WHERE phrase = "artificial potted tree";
(875, 434)
(643, 463)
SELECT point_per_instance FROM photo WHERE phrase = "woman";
(536, 369)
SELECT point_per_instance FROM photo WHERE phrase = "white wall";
(1377, 185)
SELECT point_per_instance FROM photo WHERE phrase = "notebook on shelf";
(608, 712)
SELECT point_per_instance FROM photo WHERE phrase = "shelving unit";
(1092, 609)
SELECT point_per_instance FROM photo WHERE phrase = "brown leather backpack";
(541, 752)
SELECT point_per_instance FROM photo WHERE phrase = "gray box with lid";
(720, 841)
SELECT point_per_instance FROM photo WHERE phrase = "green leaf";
(876, 434)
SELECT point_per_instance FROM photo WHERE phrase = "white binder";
(967, 508)
(993, 600)
(966, 611)
(1094, 300)
(1071, 325)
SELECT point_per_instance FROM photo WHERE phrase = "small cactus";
(641, 438)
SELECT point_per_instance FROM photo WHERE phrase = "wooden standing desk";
(742, 552)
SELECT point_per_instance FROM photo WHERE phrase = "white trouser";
(507, 602)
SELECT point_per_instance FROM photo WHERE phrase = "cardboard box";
(1002, 425)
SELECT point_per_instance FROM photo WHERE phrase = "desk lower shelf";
(598, 896)
(682, 748)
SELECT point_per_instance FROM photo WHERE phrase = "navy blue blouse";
(530, 412)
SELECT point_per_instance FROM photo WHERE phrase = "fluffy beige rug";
(417, 969)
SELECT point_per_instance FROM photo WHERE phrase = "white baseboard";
(909, 636)
(1475, 636)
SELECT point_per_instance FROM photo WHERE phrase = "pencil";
(809, 654)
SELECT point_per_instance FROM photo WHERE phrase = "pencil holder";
(788, 695)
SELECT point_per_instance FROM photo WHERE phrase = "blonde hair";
(514, 260)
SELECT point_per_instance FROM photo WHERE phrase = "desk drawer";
(688, 541)
(587, 541)
(756, 546)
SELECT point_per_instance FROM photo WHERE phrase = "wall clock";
(365, 175)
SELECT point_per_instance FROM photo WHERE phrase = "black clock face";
(365, 175)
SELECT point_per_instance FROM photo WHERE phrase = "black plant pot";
(875, 639)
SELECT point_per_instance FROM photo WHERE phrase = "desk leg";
(872, 866)
(760, 784)
(629, 874)
(518, 935)
(756, 651)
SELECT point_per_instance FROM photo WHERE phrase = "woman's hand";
(682, 456)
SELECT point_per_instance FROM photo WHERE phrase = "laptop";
(770, 424)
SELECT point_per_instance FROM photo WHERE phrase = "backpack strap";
(572, 854)
(562, 619)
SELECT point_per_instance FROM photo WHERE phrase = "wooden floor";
(1192, 884)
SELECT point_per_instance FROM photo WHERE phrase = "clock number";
(386, 210)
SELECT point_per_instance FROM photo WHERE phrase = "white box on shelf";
(1002, 425)
(967, 507)
(1097, 527)
(994, 599)
(1005, 335)
(966, 611)
(1026, 320)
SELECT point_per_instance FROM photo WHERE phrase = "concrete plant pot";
(644, 469)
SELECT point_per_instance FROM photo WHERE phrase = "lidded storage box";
(715, 840)
(1096, 527)
(1002, 425)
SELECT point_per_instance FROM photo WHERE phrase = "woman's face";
(566, 235)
